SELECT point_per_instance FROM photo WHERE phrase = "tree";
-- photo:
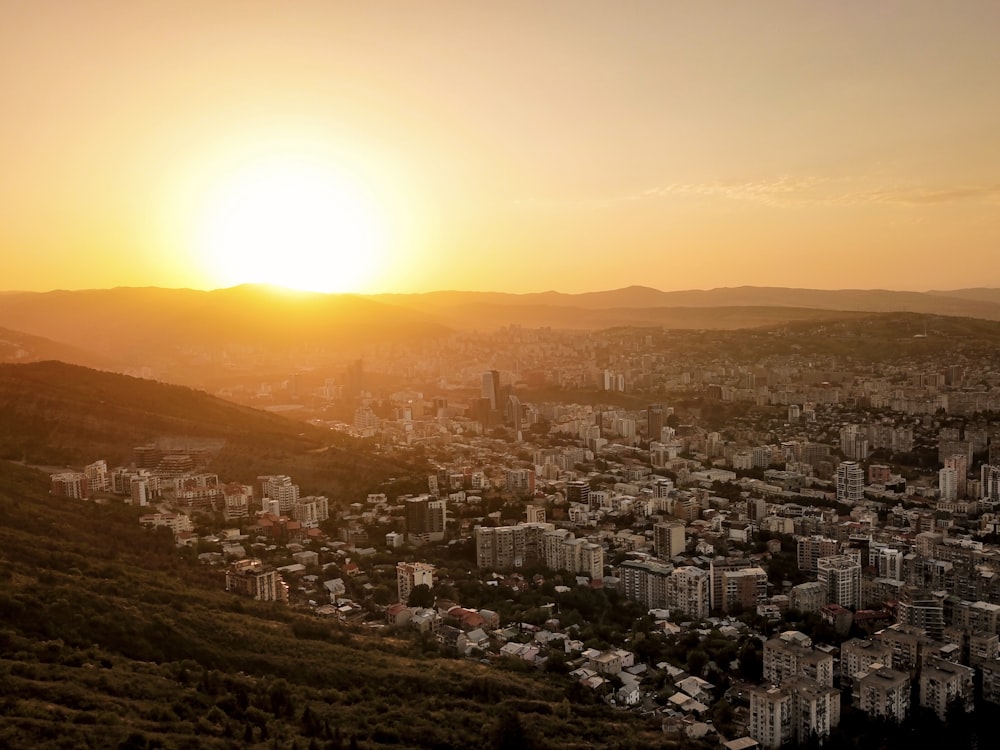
(421, 596)
(508, 734)
(696, 661)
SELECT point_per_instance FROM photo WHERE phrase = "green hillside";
(110, 637)
(54, 414)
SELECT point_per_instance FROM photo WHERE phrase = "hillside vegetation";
(110, 637)
(56, 414)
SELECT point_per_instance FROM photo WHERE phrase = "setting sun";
(292, 223)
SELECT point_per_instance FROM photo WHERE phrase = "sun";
(291, 222)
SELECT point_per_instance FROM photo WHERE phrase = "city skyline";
(568, 146)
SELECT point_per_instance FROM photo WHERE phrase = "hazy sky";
(513, 146)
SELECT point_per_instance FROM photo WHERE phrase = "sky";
(572, 145)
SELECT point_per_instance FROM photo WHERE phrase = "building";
(490, 389)
(743, 589)
(687, 591)
(97, 477)
(668, 539)
(808, 597)
(840, 576)
(947, 485)
(922, 609)
(311, 511)
(578, 491)
(850, 481)
(409, 575)
(792, 713)
(505, 548)
(69, 484)
(943, 683)
(771, 721)
(236, 500)
(280, 488)
(426, 519)
(563, 551)
(717, 570)
(785, 660)
(811, 548)
(854, 442)
(521, 481)
(884, 693)
(908, 645)
(366, 422)
(534, 514)
(645, 582)
(857, 657)
(250, 577)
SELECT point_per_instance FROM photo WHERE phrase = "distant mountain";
(164, 327)
(178, 331)
(979, 294)
(19, 347)
(52, 413)
(719, 308)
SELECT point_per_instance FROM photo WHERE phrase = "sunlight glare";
(291, 223)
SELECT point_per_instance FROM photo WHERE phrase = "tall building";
(97, 477)
(841, 579)
(506, 548)
(792, 713)
(687, 591)
(409, 575)
(565, 552)
(655, 420)
(808, 597)
(857, 656)
(237, 498)
(311, 511)
(491, 388)
(740, 589)
(850, 482)
(645, 582)
(668, 538)
(947, 485)
(923, 609)
(521, 481)
(578, 491)
(785, 660)
(279, 487)
(811, 548)
(717, 569)
(69, 484)
(426, 519)
(990, 481)
(854, 442)
(960, 464)
(943, 683)
(884, 693)
(252, 578)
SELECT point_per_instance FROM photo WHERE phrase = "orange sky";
(515, 146)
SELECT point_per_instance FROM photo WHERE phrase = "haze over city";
(399, 147)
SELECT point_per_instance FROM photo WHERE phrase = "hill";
(111, 637)
(178, 331)
(19, 347)
(52, 413)
(725, 308)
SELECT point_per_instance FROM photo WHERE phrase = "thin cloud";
(789, 192)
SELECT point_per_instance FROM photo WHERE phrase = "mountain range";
(183, 332)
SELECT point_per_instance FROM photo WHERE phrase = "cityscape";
(832, 523)
(547, 375)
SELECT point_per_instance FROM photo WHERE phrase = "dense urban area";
(753, 538)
